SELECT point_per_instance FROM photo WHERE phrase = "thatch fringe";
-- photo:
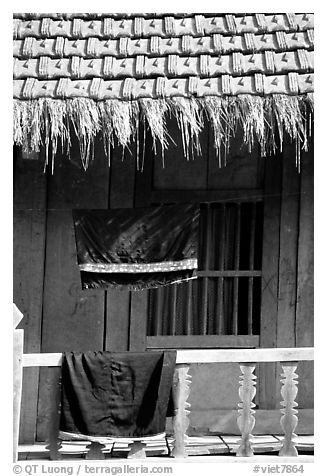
(266, 120)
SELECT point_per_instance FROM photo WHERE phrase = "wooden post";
(17, 383)
(246, 420)
(181, 391)
(289, 419)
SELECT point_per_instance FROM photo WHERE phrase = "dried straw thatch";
(264, 119)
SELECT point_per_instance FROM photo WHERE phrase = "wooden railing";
(247, 359)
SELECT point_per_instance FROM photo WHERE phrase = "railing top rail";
(200, 356)
(244, 355)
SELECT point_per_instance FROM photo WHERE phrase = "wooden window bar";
(212, 305)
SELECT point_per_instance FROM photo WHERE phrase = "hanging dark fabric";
(137, 248)
(122, 394)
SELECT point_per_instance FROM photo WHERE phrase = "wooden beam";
(206, 196)
(208, 341)
(229, 274)
(244, 355)
(203, 356)
(45, 359)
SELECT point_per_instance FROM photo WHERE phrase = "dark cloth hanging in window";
(137, 248)
(122, 394)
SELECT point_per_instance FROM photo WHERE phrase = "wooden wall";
(59, 316)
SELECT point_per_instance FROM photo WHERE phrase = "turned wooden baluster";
(289, 419)
(181, 391)
(246, 420)
(53, 442)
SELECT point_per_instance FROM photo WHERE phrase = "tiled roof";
(90, 74)
(126, 56)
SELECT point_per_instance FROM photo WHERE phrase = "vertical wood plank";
(289, 419)
(287, 282)
(246, 420)
(242, 169)
(29, 225)
(288, 249)
(73, 319)
(181, 392)
(140, 299)
(53, 442)
(18, 341)
(175, 172)
(144, 176)
(118, 305)
(305, 277)
(117, 312)
(138, 321)
(269, 281)
(122, 178)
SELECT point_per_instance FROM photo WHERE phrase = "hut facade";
(138, 110)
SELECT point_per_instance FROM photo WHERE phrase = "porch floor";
(221, 448)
